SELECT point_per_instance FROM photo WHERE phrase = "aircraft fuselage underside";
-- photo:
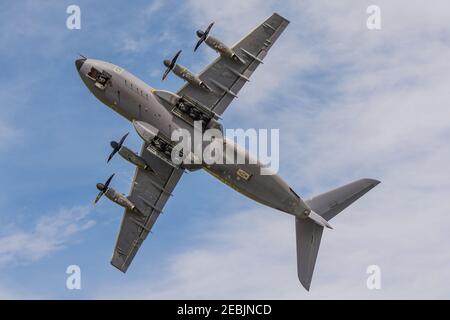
(136, 101)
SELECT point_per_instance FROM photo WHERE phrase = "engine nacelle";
(184, 73)
(120, 199)
(133, 158)
(222, 49)
(145, 130)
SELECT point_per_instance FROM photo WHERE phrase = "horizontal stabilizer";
(330, 203)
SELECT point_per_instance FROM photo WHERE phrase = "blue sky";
(349, 103)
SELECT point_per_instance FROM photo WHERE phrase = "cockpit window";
(101, 78)
(93, 74)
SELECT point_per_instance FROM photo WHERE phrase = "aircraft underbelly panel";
(265, 189)
(246, 178)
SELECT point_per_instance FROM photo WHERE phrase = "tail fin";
(309, 233)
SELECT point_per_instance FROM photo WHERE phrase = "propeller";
(170, 64)
(116, 146)
(203, 35)
(103, 188)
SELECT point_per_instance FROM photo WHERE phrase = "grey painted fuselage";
(135, 100)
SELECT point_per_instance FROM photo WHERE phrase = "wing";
(227, 77)
(149, 193)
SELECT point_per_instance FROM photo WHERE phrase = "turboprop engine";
(183, 73)
(128, 155)
(114, 196)
(217, 45)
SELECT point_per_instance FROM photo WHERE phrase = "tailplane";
(309, 231)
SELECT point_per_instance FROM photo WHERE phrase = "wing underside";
(149, 192)
(225, 76)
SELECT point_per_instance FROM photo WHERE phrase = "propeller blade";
(98, 197)
(203, 35)
(209, 29)
(170, 65)
(123, 139)
(103, 188)
(116, 146)
(112, 155)
(199, 43)
(166, 73)
(108, 181)
(174, 60)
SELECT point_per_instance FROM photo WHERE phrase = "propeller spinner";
(203, 35)
(170, 64)
(116, 146)
(103, 188)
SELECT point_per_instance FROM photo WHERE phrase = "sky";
(349, 102)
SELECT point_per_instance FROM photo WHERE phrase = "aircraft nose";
(79, 63)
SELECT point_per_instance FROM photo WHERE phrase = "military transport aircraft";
(155, 114)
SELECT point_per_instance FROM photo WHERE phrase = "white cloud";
(50, 233)
(8, 134)
(153, 7)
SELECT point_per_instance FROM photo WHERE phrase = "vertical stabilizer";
(309, 235)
